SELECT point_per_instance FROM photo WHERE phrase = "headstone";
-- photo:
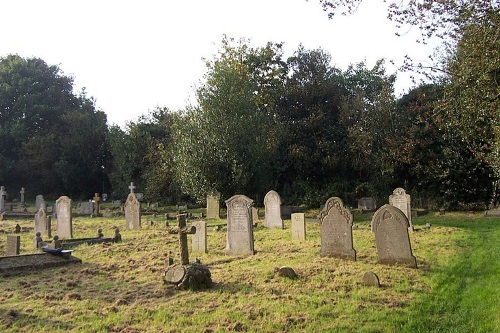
(40, 203)
(87, 208)
(370, 279)
(132, 212)
(104, 197)
(390, 226)
(3, 195)
(64, 218)
(41, 222)
(139, 196)
(272, 203)
(97, 199)
(22, 196)
(199, 239)
(367, 203)
(13, 245)
(402, 201)
(213, 206)
(336, 230)
(298, 226)
(239, 238)
(183, 231)
(255, 214)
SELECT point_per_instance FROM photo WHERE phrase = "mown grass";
(119, 287)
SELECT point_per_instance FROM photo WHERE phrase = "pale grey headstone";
(3, 194)
(64, 218)
(239, 239)
(390, 226)
(22, 195)
(367, 203)
(213, 206)
(298, 226)
(199, 239)
(255, 214)
(41, 222)
(87, 208)
(13, 245)
(272, 203)
(40, 203)
(402, 201)
(132, 212)
(336, 230)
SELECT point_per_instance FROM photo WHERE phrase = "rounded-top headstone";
(370, 279)
(287, 272)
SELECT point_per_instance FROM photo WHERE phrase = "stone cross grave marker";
(272, 203)
(213, 206)
(131, 187)
(183, 231)
(40, 203)
(3, 194)
(199, 239)
(64, 218)
(22, 196)
(402, 201)
(13, 245)
(239, 237)
(390, 226)
(132, 212)
(336, 230)
(298, 226)
(97, 199)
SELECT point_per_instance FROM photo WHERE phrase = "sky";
(134, 56)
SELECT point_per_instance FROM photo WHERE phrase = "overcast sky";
(132, 56)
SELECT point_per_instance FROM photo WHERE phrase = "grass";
(119, 287)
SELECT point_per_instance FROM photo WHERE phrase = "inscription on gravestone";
(272, 203)
(64, 218)
(298, 226)
(390, 226)
(336, 230)
(239, 238)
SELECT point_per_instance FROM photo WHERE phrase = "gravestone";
(132, 212)
(390, 226)
(13, 245)
(402, 201)
(97, 199)
(22, 196)
(213, 206)
(370, 279)
(64, 218)
(199, 240)
(255, 214)
(139, 196)
(367, 203)
(40, 203)
(132, 187)
(41, 222)
(272, 203)
(3, 195)
(298, 226)
(87, 208)
(336, 230)
(239, 238)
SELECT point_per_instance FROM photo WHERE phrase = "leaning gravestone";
(199, 239)
(213, 206)
(272, 203)
(13, 245)
(40, 203)
(132, 212)
(336, 230)
(298, 226)
(64, 218)
(239, 238)
(390, 226)
(402, 201)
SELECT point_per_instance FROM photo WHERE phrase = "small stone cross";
(96, 198)
(183, 232)
(131, 187)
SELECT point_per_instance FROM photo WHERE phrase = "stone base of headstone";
(193, 276)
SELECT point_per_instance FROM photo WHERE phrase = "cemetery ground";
(119, 286)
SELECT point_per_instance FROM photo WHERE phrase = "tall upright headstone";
(13, 246)
(239, 238)
(132, 212)
(97, 199)
(272, 203)
(298, 226)
(336, 230)
(40, 203)
(22, 196)
(64, 217)
(213, 206)
(3, 195)
(390, 226)
(41, 222)
(402, 201)
(199, 239)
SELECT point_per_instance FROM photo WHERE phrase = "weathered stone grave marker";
(199, 243)
(64, 217)
(40, 203)
(390, 226)
(239, 237)
(97, 199)
(298, 226)
(13, 245)
(213, 206)
(132, 212)
(336, 230)
(22, 203)
(367, 203)
(3, 195)
(42, 223)
(272, 203)
(402, 201)
(87, 208)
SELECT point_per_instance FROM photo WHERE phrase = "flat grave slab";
(27, 263)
